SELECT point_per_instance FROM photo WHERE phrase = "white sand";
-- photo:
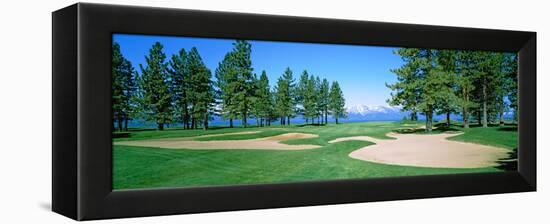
(422, 150)
(426, 150)
(272, 143)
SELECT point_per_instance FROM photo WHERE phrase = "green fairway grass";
(144, 167)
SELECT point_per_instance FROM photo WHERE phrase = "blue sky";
(361, 71)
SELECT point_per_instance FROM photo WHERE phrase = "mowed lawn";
(143, 167)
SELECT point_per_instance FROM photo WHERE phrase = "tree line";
(480, 86)
(182, 90)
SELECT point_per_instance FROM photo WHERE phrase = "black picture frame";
(82, 147)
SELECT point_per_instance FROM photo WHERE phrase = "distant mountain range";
(389, 113)
(374, 113)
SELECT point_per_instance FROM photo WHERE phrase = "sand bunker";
(271, 143)
(428, 150)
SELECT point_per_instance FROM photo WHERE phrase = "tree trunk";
(501, 118)
(336, 117)
(326, 117)
(288, 120)
(479, 117)
(126, 123)
(160, 126)
(465, 112)
(465, 118)
(244, 120)
(183, 121)
(414, 117)
(484, 105)
(230, 122)
(119, 122)
(187, 122)
(205, 123)
(307, 120)
(448, 119)
(429, 117)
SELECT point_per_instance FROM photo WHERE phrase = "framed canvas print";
(167, 111)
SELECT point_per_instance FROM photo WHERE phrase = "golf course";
(195, 112)
(277, 154)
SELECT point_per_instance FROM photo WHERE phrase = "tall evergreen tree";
(421, 83)
(324, 99)
(202, 95)
(290, 100)
(318, 100)
(226, 73)
(242, 88)
(310, 99)
(512, 77)
(282, 93)
(123, 88)
(337, 101)
(465, 69)
(301, 92)
(406, 91)
(449, 102)
(154, 94)
(486, 69)
(505, 86)
(264, 102)
(181, 89)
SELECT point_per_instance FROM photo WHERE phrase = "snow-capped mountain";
(374, 112)
(370, 109)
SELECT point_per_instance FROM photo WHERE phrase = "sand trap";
(428, 150)
(271, 143)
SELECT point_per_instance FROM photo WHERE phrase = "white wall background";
(25, 112)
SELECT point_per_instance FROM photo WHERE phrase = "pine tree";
(264, 97)
(226, 73)
(256, 108)
(406, 92)
(419, 82)
(485, 73)
(505, 84)
(123, 88)
(281, 95)
(301, 92)
(319, 100)
(290, 98)
(310, 99)
(465, 67)
(448, 102)
(512, 77)
(242, 88)
(180, 79)
(324, 99)
(337, 101)
(202, 94)
(155, 97)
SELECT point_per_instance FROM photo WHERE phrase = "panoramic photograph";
(197, 112)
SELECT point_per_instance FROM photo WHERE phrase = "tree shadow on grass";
(510, 163)
(509, 128)
(314, 125)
